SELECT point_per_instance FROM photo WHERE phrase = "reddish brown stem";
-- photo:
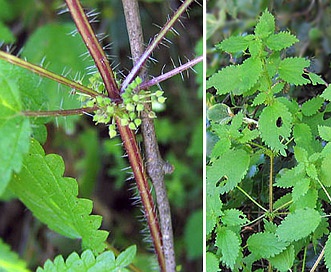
(127, 135)
(94, 48)
(56, 113)
(131, 147)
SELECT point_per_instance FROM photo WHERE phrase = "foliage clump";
(257, 126)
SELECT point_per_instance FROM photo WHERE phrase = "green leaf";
(266, 25)
(234, 217)
(6, 36)
(219, 113)
(265, 244)
(308, 200)
(275, 126)
(42, 188)
(288, 177)
(281, 41)
(311, 106)
(315, 79)
(213, 208)
(87, 262)
(302, 135)
(325, 172)
(284, 260)
(300, 188)
(229, 245)
(291, 70)
(298, 225)
(325, 133)
(212, 264)
(231, 167)
(9, 260)
(327, 253)
(327, 93)
(236, 78)
(126, 257)
(233, 44)
(14, 130)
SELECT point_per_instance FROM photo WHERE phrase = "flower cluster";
(129, 111)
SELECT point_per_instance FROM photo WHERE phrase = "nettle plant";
(268, 172)
(122, 104)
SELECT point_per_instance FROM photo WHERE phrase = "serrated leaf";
(281, 41)
(327, 252)
(311, 106)
(325, 133)
(233, 44)
(308, 200)
(255, 48)
(301, 154)
(291, 70)
(231, 166)
(285, 199)
(266, 25)
(229, 245)
(218, 113)
(212, 264)
(315, 79)
(288, 178)
(10, 261)
(284, 260)
(265, 244)
(327, 93)
(126, 257)
(14, 131)
(325, 172)
(300, 188)
(42, 188)
(298, 225)
(259, 99)
(234, 217)
(236, 78)
(302, 135)
(213, 207)
(86, 262)
(275, 125)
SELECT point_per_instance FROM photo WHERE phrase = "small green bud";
(161, 99)
(90, 103)
(130, 107)
(110, 110)
(137, 122)
(140, 107)
(151, 114)
(135, 98)
(159, 93)
(112, 132)
(124, 121)
(132, 126)
(132, 115)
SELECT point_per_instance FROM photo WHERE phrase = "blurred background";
(36, 31)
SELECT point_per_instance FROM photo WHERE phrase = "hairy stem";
(154, 163)
(94, 48)
(128, 137)
(137, 166)
(45, 73)
(56, 113)
(156, 41)
(173, 72)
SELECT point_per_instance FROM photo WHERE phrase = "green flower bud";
(132, 126)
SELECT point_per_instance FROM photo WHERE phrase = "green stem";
(304, 259)
(253, 200)
(56, 113)
(271, 183)
(43, 72)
